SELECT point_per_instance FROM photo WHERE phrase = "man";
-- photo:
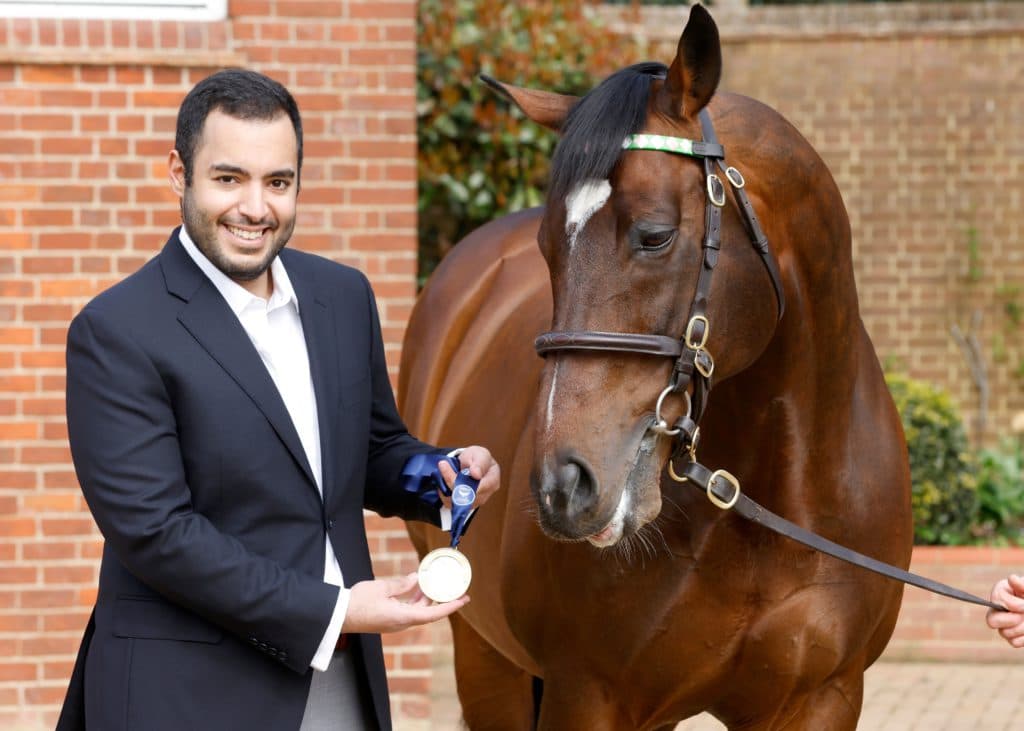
(1010, 593)
(229, 416)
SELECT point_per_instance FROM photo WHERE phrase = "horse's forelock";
(595, 128)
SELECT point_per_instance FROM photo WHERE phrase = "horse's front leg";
(495, 695)
(571, 703)
(834, 705)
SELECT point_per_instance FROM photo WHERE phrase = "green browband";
(677, 145)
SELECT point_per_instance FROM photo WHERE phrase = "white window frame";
(207, 10)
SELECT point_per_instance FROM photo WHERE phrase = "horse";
(609, 593)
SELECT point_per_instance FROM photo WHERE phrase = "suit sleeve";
(123, 436)
(391, 445)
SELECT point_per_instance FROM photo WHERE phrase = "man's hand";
(1010, 593)
(392, 605)
(481, 467)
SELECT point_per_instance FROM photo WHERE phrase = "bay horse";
(599, 572)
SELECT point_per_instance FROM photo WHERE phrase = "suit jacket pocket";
(150, 618)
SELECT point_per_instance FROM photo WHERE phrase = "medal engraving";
(444, 575)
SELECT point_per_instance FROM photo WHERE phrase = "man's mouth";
(244, 233)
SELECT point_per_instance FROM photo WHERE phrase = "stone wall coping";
(738, 23)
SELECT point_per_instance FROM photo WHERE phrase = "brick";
(17, 671)
(18, 575)
(47, 122)
(51, 550)
(66, 526)
(48, 75)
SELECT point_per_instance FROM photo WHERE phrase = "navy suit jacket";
(211, 598)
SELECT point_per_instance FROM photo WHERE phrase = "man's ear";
(176, 173)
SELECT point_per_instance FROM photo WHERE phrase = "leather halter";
(694, 363)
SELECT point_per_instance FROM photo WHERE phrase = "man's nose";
(254, 203)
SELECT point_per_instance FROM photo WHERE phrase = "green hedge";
(479, 157)
(942, 467)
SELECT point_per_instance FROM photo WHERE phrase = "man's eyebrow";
(223, 167)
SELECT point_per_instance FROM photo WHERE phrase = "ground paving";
(898, 696)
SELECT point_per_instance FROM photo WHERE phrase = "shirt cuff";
(325, 652)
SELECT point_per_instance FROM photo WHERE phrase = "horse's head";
(631, 234)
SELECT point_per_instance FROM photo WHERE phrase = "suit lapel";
(212, 323)
(318, 330)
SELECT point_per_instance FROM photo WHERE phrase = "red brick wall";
(87, 111)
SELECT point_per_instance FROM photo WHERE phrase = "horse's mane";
(593, 132)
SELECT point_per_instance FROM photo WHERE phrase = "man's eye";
(226, 179)
(279, 184)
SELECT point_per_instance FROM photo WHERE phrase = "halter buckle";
(728, 477)
(716, 191)
(704, 363)
(704, 332)
(735, 177)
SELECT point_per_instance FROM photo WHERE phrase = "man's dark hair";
(240, 94)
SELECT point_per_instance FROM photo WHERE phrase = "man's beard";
(203, 232)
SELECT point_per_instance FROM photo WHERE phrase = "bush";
(942, 469)
(479, 157)
(1001, 494)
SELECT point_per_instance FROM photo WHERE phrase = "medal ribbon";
(422, 477)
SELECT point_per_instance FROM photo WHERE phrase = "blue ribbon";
(422, 477)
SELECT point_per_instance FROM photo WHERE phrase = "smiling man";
(230, 415)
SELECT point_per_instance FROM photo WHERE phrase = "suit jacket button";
(330, 525)
(253, 641)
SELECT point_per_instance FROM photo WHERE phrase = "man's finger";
(402, 585)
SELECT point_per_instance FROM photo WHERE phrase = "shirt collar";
(237, 296)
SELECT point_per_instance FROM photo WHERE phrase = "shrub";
(944, 486)
(1001, 493)
(479, 157)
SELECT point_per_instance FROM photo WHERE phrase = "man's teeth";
(243, 234)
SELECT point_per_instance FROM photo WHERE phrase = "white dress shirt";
(275, 330)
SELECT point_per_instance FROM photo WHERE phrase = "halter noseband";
(693, 361)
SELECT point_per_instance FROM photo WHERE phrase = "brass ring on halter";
(724, 504)
(672, 472)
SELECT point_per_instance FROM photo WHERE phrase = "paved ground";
(897, 697)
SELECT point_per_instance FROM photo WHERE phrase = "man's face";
(240, 207)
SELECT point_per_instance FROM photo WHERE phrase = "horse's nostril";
(576, 488)
(568, 476)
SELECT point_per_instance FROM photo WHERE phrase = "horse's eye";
(657, 239)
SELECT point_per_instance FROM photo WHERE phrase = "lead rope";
(723, 489)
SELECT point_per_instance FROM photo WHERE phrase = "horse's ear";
(543, 107)
(697, 68)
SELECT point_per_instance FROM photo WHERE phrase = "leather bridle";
(694, 364)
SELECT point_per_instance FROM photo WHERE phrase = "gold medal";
(444, 575)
